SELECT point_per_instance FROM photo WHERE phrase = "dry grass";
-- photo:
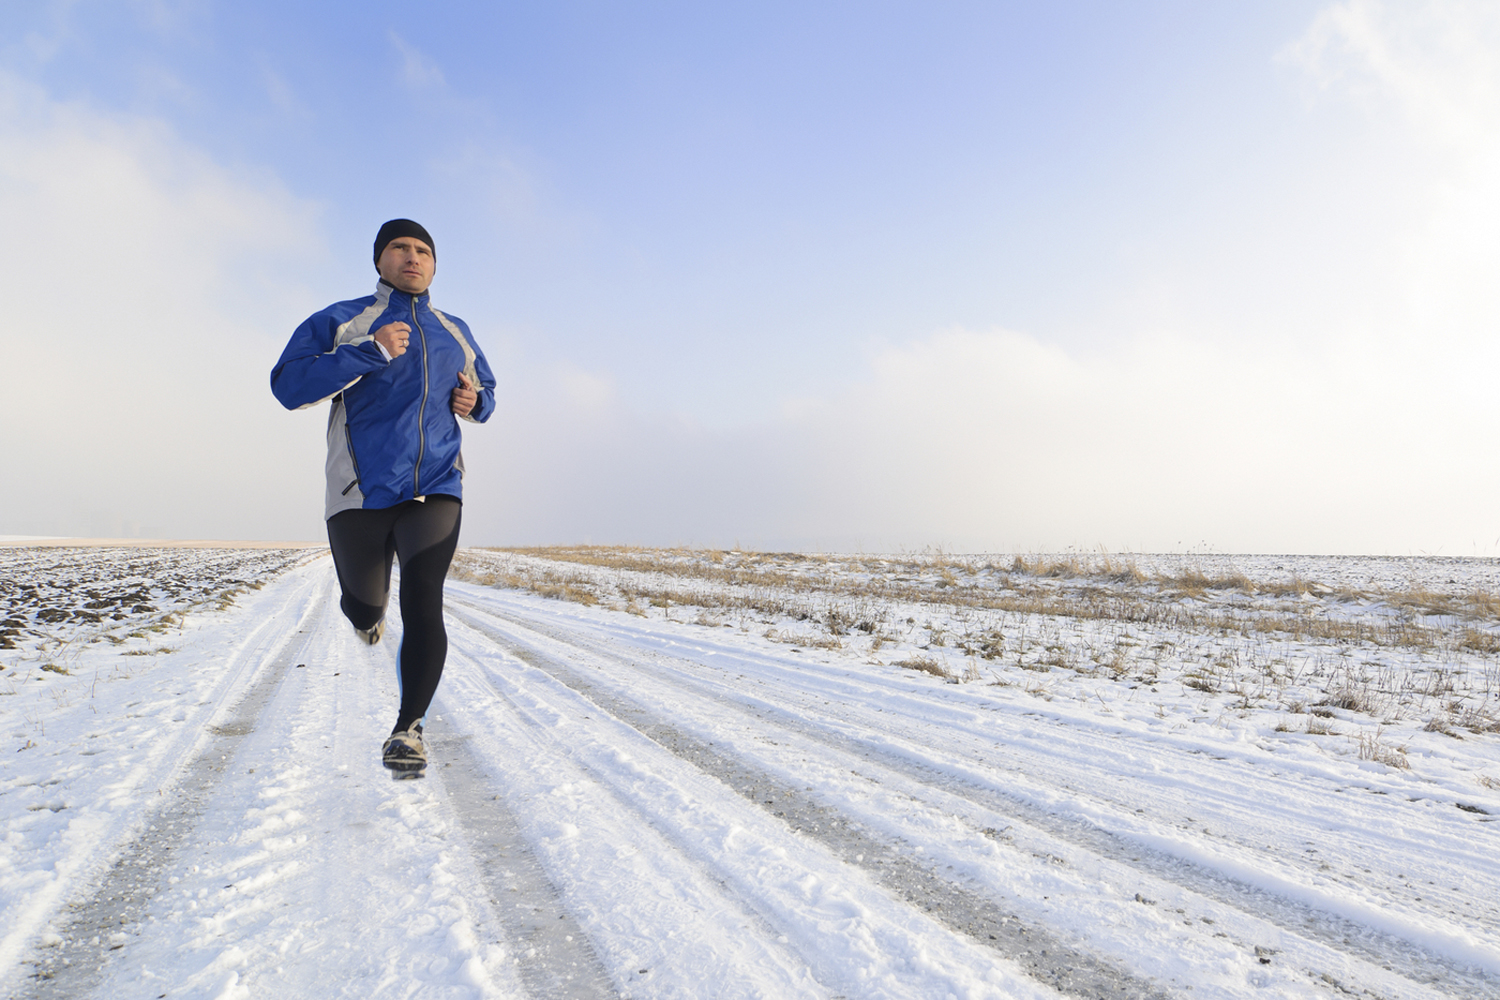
(1320, 727)
(1352, 697)
(1371, 746)
(1479, 641)
(1051, 586)
(1260, 643)
(810, 640)
(926, 665)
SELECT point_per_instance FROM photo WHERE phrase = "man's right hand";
(393, 337)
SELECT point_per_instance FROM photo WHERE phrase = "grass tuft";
(1372, 747)
(926, 665)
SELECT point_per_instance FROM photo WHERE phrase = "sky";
(1025, 276)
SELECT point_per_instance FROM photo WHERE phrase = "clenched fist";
(464, 397)
(393, 337)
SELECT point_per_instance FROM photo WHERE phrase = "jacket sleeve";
(485, 405)
(313, 369)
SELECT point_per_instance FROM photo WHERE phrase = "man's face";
(407, 263)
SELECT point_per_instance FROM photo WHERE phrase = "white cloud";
(1436, 63)
(417, 69)
(150, 294)
(283, 96)
(993, 440)
(1171, 444)
(1313, 370)
(173, 17)
(1427, 76)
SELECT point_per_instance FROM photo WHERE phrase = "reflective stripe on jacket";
(392, 434)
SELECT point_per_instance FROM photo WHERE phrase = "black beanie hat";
(397, 228)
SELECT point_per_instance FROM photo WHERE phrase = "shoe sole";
(408, 765)
(403, 763)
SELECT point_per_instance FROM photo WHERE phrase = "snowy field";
(704, 774)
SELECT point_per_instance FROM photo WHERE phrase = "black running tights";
(424, 534)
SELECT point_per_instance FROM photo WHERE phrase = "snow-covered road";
(634, 806)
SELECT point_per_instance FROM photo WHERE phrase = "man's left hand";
(464, 397)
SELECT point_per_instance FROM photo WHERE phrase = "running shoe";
(372, 634)
(404, 753)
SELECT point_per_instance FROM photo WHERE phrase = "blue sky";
(1002, 275)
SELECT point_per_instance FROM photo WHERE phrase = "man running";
(399, 373)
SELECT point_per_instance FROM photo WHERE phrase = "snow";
(677, 784)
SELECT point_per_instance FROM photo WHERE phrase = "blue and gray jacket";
(392, 435)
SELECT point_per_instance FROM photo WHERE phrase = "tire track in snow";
(1045, 957)
(100, 923)
(1057, 759)
(656, 909)
(556, 960)
(1366, 944)
(313, 874)
(1332, 931)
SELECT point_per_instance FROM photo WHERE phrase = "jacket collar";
(385, 291)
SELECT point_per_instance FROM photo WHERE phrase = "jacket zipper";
(416, 474)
